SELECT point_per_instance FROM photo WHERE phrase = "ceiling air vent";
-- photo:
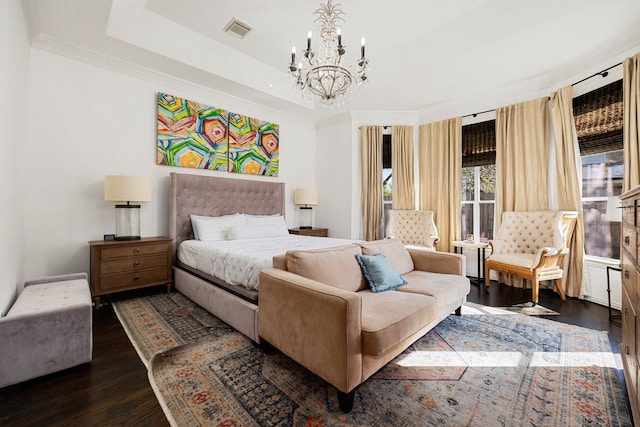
(237, 28)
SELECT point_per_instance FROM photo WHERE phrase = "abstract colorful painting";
(254, 146)
(191, 135)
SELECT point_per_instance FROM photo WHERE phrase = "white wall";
(338, 177)
(86, 122)
(14, 71)
(334, 178)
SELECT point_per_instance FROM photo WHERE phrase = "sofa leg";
(266, 346)
(345, 400)
(459, 311)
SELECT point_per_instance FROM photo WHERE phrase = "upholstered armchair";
(533, 246)
(415, 228)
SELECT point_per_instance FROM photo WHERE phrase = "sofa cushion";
(379, 273)
(445, 288)
(393, 250)
(335, 266)
(388, 318)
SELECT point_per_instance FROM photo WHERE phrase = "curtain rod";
(603, 73)
(486, 111)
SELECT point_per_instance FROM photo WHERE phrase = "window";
(387, 180)
(478, 180)
(598, 117)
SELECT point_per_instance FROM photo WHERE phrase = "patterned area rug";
(479, 369)
(160, 322)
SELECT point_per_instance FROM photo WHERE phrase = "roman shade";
(599, 119)
(479, 144)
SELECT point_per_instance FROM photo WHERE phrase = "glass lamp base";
(127, 222)
(305, 217)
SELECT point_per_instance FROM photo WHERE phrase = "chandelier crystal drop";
(322, 73)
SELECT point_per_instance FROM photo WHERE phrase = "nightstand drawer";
(125, 265)
(133, 264)
(140, 278)
(133, 250)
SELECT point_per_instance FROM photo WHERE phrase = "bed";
(213, 196)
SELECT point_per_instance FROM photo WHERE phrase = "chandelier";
(323, 73)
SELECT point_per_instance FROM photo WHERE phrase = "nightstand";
(316, 232)
(121, 265)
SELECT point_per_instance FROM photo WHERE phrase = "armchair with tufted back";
(415, 228)
(532, 245)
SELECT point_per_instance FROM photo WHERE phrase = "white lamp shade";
(614, 209)
(305, 197)
(127, 189)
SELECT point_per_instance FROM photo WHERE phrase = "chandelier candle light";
(323, 73)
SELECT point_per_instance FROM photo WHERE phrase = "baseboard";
(603, 302)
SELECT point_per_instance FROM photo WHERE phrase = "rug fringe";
(130, 335)
(156, 391)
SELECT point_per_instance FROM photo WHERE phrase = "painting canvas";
(254, 146)
(190, 134)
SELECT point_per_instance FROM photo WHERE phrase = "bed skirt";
(233, 310)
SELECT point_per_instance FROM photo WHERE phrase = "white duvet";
(238, 262)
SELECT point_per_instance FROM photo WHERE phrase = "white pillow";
(215, 227)
(242, 232)
(277, 220)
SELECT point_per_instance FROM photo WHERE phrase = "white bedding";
(238, 262)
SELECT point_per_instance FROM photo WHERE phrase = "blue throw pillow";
(379, 273)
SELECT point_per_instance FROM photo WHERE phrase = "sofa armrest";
(317, 325)
(439, 262)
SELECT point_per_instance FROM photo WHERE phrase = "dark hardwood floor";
(114, 390)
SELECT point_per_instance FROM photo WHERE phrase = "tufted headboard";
(213, 196)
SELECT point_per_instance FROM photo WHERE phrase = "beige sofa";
(317, 308)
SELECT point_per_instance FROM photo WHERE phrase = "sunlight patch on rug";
(525, 309)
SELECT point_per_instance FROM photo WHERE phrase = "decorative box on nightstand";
(120, 265)
(317, 232)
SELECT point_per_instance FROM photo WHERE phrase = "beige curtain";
(522, 157)
(567, 156)
(631, 138)
(440, 163)
(371, 170)
(404, 192)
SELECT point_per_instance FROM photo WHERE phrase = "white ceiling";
(426, 55)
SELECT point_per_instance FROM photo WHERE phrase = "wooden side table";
(317, 232)
(479, 247)
(121, 265)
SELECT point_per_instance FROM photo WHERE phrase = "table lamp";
(127, 189)
(305, 198)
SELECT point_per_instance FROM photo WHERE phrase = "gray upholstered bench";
(48, 329)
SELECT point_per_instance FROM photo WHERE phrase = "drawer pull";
(626, 240)
(626, 274)
(136, 251)
(626, 349)
(136, 278)
(136, 263)
(625, 312)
